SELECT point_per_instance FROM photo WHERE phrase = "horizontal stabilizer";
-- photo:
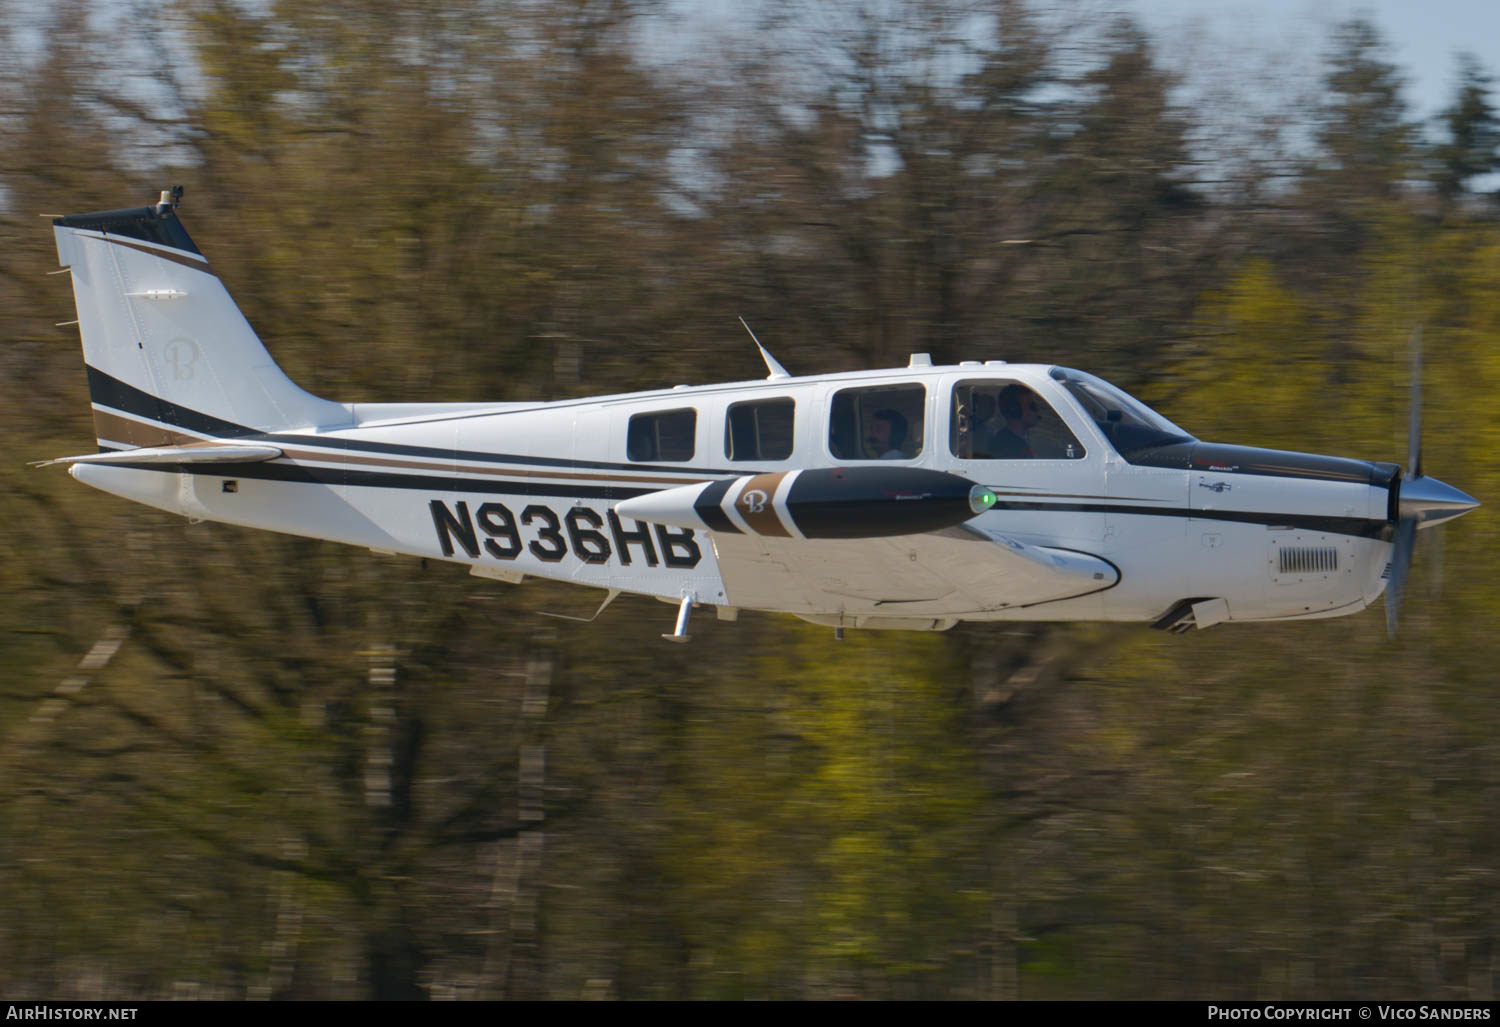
(206, 453)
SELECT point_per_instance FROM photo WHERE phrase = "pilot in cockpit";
(1020, 413)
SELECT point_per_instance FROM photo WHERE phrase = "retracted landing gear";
(1188, 614)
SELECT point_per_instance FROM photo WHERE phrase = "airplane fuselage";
(516, 490)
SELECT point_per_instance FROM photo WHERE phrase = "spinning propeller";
(1419, 501)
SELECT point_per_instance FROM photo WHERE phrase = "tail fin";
(170, 357)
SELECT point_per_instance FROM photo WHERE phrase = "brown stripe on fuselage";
(755, 505)
(110, 427)
(339, 456)
(196, 265)
(1286, 471)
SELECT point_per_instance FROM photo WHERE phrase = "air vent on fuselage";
(1308, 559)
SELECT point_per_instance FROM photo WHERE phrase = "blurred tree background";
(241, 765)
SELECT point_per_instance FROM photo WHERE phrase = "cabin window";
(666, 436)
(1000, 420)
(760, 430)
(883, 422)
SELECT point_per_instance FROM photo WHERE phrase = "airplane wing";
(954, 571)
(193, 453)
(868, 542)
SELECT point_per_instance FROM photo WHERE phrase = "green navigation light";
(981, 499)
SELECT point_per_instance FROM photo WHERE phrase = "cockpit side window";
(666, 436)
(1131, 426)
(883, 422)
(1005, 420)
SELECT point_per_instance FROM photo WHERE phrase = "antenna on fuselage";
(777, 371)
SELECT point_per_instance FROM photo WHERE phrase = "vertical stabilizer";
(169, 355)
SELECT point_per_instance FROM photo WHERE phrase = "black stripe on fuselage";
(1359, 527)
(111, 392)
(440, 452)
(335, 476)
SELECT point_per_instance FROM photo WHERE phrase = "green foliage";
(1472, 148)
(866, 797)
(289, 770)
(1367, 140)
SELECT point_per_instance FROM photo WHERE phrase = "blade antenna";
(772, 365)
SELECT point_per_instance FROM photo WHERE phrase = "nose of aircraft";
(1428, 501)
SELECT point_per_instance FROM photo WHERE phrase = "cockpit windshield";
(1130, 425)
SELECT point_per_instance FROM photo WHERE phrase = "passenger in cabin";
(887, 434)
(1018, 406)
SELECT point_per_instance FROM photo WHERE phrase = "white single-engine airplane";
(908, 498)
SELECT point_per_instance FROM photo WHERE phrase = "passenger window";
(879, 423)
(1007, 421)
(761, 430)
(665, 436)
